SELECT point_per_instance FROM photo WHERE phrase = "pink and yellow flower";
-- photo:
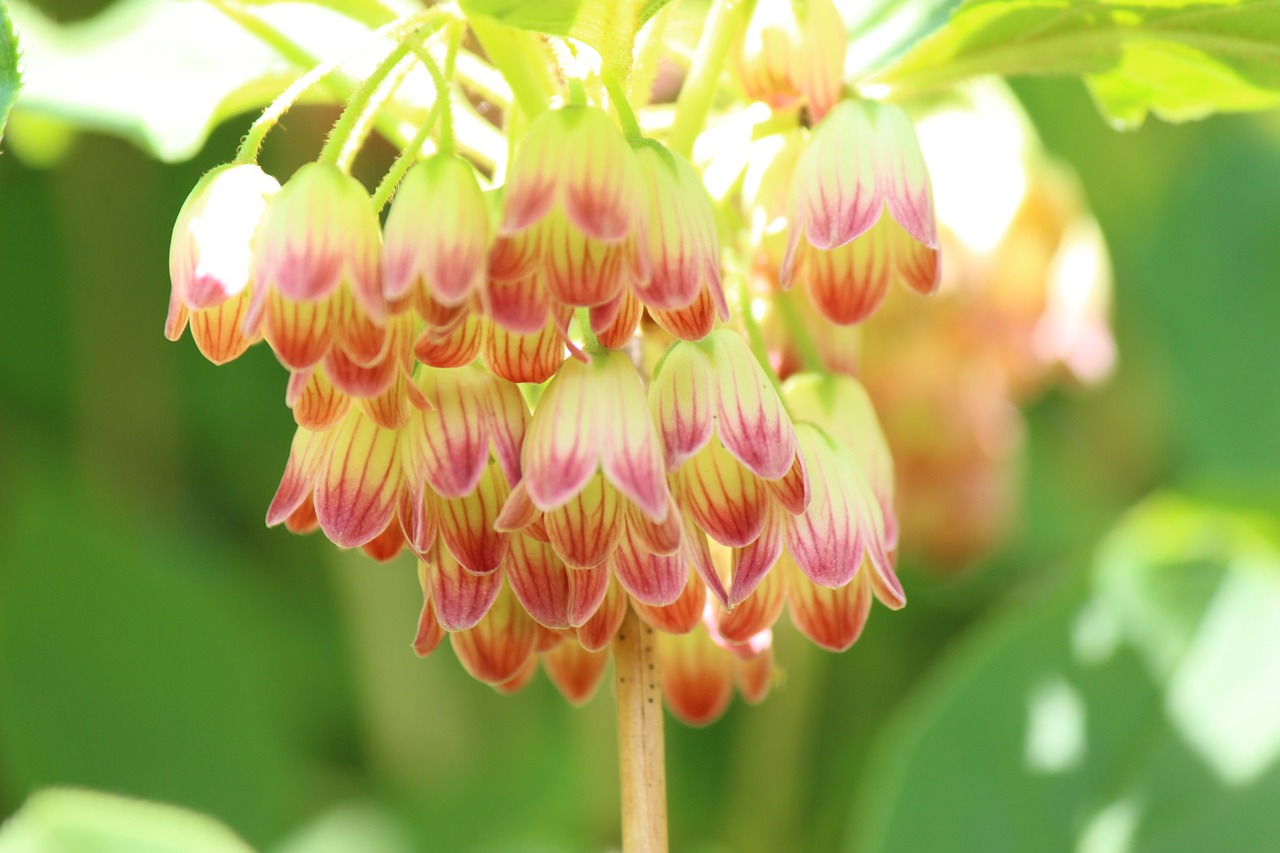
(733, 452)
(573, 217)
(593, 465)
(863, 161)
(437, 235)
(210, 259)
(794, 51)
(316, 271)
(683, 290)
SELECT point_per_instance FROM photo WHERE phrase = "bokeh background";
(1102, 680)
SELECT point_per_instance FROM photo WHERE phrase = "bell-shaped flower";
(864, 159)
(794, 50)
(351, 473)
(210, 259)
(593, 464)
(436, 239)
(461, 456)
(699, 670)
(316, 271)
(683, 290)
(576, 672)
(843, 409)
(573, 210)
(728, 440)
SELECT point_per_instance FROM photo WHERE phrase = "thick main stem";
(641, 761)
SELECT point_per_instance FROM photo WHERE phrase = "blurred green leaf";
(1138, 710)
(609, 27)
(1180, 60)
(10, 78)
(163, 73)
(76, 821)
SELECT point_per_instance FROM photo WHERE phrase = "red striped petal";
(598, 631)
(356, 493)
(467, 524)
(461, 598)
(499, 647)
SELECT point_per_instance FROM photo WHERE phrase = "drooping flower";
(863, 161)
(733, 451)
(840, 551)
(593, 465)
(683, 290)
(573, 217)
(316, 271)
(698, 670)
(210, 257)
(436, 240)
(793, 51)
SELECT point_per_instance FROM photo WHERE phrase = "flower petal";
(586, 529)
(497, 648)
(750, 419)
(756, 612)
(652, 579)
(629, 449)
(726, 500)
(575, 671)
(356, 494)
(306, 458)
(832, 618)
(467, 524)
(219, 331)
(561, 447)
(682, 615)
(598, 631)
(696, 676)
(523, 358)
(753, 562)
(461, 598)
(316, 404)
(539, 580)
(682, 400)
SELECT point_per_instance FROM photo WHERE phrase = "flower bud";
(210, 255)
(864, 160)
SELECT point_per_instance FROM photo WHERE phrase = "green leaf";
(609, 27)
(90, 822)
(1177, 59)
(1131, 710)
(10, 77)
(163, 73)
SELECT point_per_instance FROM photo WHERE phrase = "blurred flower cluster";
(583, 383)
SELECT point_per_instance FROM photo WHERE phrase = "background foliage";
(1102, 683)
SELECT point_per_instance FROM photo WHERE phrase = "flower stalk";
(641, 758)
(724, 22)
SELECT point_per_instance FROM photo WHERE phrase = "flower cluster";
(540, 390)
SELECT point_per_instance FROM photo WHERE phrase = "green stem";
(621, 106)
(724, 22)
(809, 354)
(441, 110)
(369, 113)
(408, 155)
(755, 337)
(444, 92)
(335, 147)
(251, 145)
(530, 85)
